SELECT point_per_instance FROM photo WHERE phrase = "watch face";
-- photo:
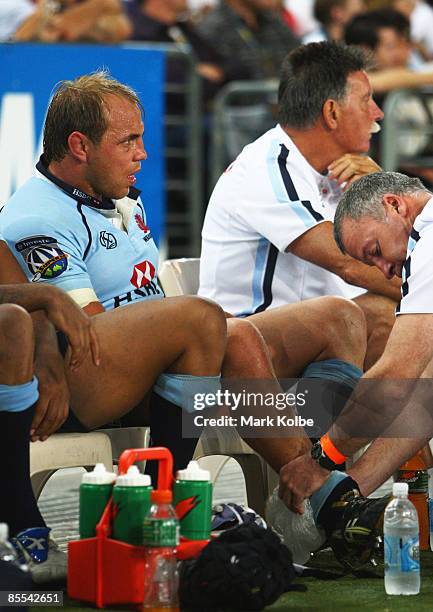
(316, 451)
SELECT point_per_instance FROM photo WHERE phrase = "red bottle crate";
(106, 571)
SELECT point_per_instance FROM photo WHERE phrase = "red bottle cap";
(161, 496)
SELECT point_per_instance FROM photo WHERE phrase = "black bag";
(246, 568)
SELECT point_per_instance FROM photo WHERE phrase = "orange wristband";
(331, 451)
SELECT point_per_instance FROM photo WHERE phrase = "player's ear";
(78, 145)
(396, 203)
(330, 114)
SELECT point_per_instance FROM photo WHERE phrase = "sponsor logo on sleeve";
(43, 256)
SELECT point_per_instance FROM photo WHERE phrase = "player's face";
(378, 243)
(358, 114)
(113, 163)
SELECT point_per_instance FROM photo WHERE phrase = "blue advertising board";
(28, 74)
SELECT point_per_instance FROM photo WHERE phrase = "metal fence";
(243, 110)
(407, 129)
(183, 152)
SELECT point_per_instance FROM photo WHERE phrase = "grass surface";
(364, 593)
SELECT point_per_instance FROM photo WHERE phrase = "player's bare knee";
(16, 333)
(244, 336)
(345, 324)
(383, 316)
(207, 320)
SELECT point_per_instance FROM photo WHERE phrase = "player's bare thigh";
(138, 342)
(312, 330)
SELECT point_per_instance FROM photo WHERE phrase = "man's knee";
(16, 334)
(207, 319)
(243, 335)
(345, 323)
(16, 327)
(247, 351)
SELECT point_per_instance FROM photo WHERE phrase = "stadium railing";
(242, 111)
(407, 129)
(183, 150)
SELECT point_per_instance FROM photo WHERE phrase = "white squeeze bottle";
(401, 544)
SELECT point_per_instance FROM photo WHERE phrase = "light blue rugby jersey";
(69, 242)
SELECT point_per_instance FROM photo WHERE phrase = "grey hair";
(364, 198)
(312, 74)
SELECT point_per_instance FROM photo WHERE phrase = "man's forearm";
(372, 279)
(45, 337)
(382, 459)
(382, 408)
(32, 297)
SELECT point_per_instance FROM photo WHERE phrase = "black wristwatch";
(319, 455)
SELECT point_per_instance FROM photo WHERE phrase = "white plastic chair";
(181, 277)
(64, 450)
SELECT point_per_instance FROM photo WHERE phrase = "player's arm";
(98, 20)
(317, 245)
(62, 312)
(383, 81)
(396, 395)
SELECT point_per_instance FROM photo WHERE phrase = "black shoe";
(358, 528)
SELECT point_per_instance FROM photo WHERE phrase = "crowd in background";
(236, 40)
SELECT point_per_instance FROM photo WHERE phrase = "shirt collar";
(77, 194)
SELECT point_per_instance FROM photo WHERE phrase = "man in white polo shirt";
(384, 220)
(267, 235)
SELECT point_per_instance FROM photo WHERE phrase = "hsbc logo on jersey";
(143, 274)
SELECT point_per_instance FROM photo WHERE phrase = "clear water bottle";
(401, 544)
(161, 536)
(8, 552)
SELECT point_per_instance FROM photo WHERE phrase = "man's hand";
(350, 167)
(299, 479)
(53, 405)
(69, 318)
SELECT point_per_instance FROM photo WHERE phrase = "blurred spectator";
(385, 33)
(200, 7)
(71, 20)
(333, 16)
(420, 15)
(303, 13)
(12, 14)
(421, 26)
(287, 16)
(166, 21)
(250, 36)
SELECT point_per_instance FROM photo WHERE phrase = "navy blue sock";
(18, 506)
(327, 516)
(166, 430)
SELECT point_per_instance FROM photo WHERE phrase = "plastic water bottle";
(131, 497)
(192, 493)
(95, 490)
(161, 536)
(7, 551)
(401, 544)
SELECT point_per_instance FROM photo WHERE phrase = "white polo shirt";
(266, 199)
(417, 274)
